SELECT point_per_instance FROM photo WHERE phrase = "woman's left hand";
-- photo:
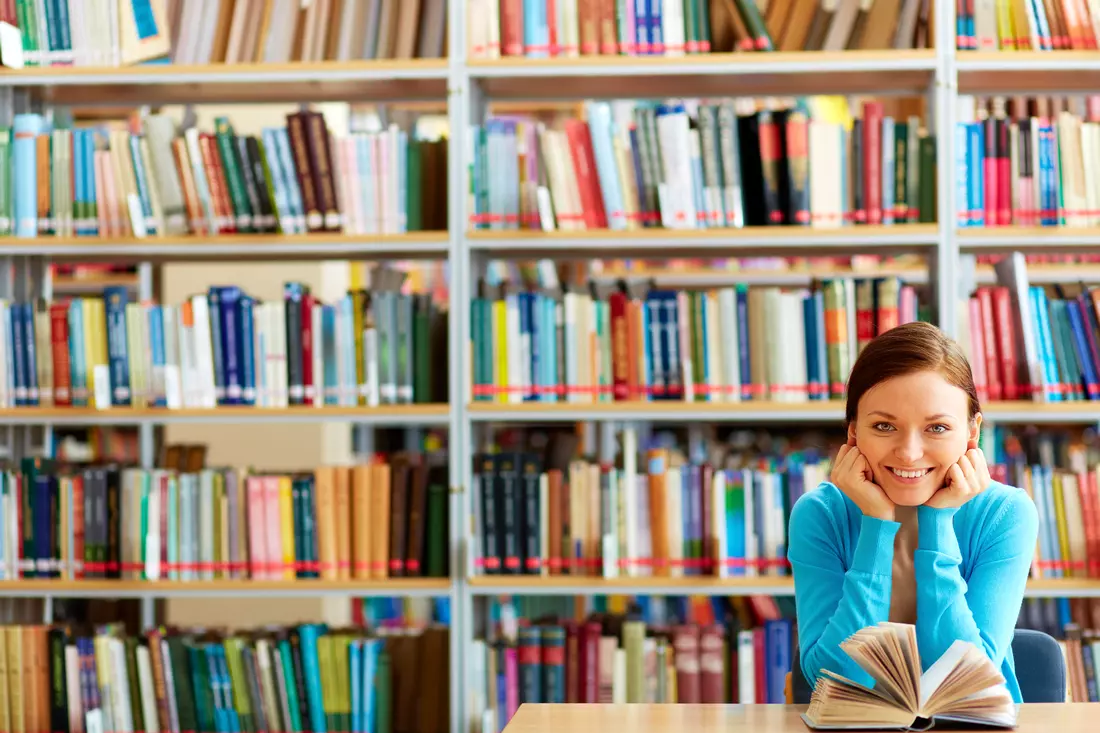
(967, 478)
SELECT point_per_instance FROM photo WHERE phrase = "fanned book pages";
(962, 686)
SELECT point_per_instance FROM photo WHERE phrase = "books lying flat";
(962, 686)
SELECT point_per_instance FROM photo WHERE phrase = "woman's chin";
(909, 496)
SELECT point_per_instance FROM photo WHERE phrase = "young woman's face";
(911, 430)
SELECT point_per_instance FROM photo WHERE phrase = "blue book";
(743, 339)
(536, 30)
(25, 129)
(976, 190)
(601, 131)
(232, 348)
(91, 202)
(213, 301)
(32, 359)
(656, 28)
(1081, 348)
(735, 519)
(777, 651)
(159, 397)
(249, 367)
(355, 683)
(115, 299)
(311, 671)
(17, 348)
(641, 29)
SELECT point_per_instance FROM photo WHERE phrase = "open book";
(962, 686)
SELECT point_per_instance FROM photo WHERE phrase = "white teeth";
(910, 474)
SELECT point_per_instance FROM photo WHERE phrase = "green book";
(383, 694)
(928, 179)
(414, 176)
(227, 147)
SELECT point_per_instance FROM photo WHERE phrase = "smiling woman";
(910, 527)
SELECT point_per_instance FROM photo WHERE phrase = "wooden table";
(1063, 718)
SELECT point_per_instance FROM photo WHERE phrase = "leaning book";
(962, 686)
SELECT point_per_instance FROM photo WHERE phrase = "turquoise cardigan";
(971, 567)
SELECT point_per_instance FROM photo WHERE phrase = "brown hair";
(905, 349)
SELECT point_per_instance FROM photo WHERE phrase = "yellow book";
(1060, 522)
(5, 714)
(15, 679)
(286, 521)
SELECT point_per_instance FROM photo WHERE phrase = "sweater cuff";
(936, 530)
(875, 546)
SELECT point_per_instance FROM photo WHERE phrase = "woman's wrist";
(936, 529)
(874, 552)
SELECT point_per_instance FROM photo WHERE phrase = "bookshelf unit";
(466, 87)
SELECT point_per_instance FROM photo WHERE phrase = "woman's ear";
(974, 434)
(852, 434)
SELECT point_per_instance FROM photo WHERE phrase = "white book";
(718, 523)
(146, 690)
(751, 542)
(630, 499)
(746, 667)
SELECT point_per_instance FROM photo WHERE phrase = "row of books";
(698, 165)
(1027, 343)
(1074, 625)
(224, 347)
(78, 33)
(658, 514)
(1027, 25)
(570, 28)
(308, 677)
(386, 518)
(606, 658)
(1027, 165)
(716, 345)
(155, 177)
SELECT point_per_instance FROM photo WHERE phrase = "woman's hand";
(852, 474)
(967, 478)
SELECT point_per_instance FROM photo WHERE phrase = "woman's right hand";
(852, 474)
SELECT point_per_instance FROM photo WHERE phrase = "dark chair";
(1040, 669)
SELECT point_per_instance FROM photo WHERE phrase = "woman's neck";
(906, 516)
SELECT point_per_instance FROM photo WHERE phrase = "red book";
(989, 344)
(78, 527)
(59, 352)
(1004, 174)
(872, 161)
(307, 346)
(584, 165)
(989, 169)
(590, 662)
(619, 352)
(552, 27)
(977, 349)
(511, 28)
(1006, 343)
(572, 663)
(685, 642)
(711, 667)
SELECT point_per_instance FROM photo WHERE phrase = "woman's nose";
(909, 448)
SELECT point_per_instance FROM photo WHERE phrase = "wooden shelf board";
(396, 414)
(233, 247)
(1020, 72)
(787, 240)
(415, 79)
(778, 585)
(816, 72)
(122, 588)
(1028, 239)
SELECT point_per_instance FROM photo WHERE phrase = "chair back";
(1040, 669)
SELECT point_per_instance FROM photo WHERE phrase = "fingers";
(863, 467)
(971, 444)
(955, 478)
(851, 440)
(968, 470)
(981, 468)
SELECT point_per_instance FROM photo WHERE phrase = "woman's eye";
(938, 428)
(883, 426)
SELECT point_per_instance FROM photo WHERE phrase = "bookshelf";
(465, 88)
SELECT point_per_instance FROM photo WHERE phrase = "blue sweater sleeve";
(833, 601)
(984, 608)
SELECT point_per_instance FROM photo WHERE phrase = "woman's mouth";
(909, 475)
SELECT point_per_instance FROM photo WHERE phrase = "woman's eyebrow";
(886, 415)
(940, 416)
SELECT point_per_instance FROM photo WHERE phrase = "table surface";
(1060, 717)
